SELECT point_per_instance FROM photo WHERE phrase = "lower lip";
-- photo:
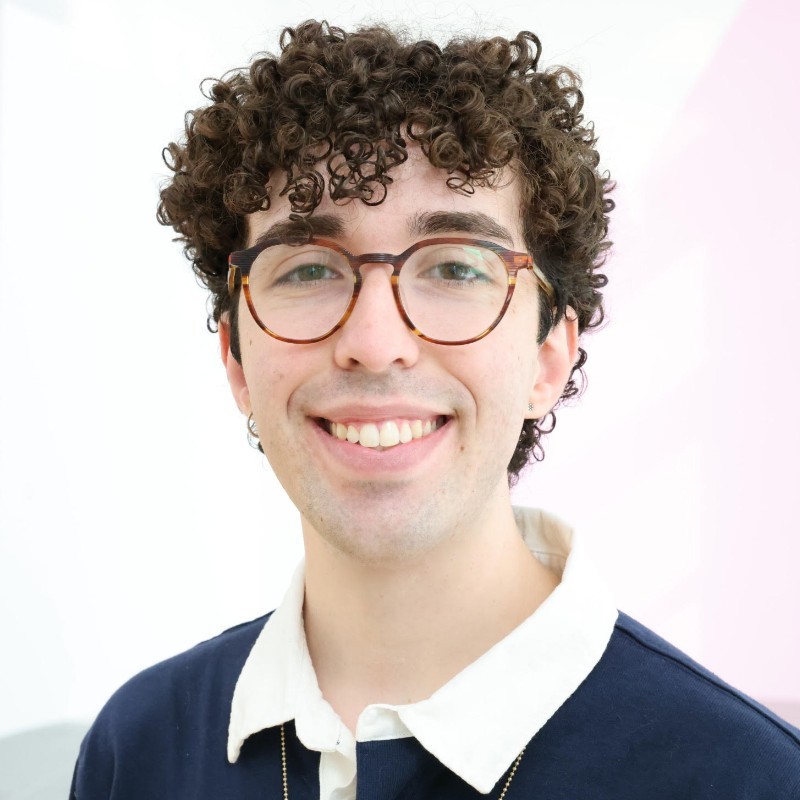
(400, 458)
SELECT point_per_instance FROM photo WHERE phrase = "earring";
(252, 432)
(530, 406)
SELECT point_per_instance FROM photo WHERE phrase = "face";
(374, 377)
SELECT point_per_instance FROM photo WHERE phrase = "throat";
(397, 636)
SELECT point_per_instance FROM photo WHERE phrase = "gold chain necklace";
(286, 780)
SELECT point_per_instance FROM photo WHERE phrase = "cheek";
(521, 349)
(499, 376)
(267, 383)
(509, 356)
(268, 376)
(270, 394)
(263, 361)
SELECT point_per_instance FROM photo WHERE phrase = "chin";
(379, 536)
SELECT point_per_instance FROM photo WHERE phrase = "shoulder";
(205, 668)
(665, 720)
(661, 665)
(176, 710)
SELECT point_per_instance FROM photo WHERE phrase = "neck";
(397, 632)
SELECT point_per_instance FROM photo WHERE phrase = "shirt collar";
(479, 721)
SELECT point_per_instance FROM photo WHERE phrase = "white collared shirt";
(479, 721)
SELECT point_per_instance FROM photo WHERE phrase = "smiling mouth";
(382, 435)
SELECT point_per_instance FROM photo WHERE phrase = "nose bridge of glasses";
(385, 266)
(374, 258)
(377, 262)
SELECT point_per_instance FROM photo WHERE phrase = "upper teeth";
(385, 434)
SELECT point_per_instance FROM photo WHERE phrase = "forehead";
(418, 202)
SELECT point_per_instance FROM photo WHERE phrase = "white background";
(134, 519)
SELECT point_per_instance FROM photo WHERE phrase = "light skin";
(414, 565)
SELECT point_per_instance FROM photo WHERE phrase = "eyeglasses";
(448, 290)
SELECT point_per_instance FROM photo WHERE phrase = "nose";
(375, 337)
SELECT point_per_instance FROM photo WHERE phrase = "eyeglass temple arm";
(233, 269)
(529, 263)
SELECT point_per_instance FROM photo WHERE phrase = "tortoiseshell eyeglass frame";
(242, 260)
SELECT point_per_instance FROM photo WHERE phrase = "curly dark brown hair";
(336, 110)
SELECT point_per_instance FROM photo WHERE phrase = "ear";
(236, 378)
(557, 355)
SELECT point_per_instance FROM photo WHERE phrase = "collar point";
(233, 752)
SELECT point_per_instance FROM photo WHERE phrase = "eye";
(456, 272)
(308, 273)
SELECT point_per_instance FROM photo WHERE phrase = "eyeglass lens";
(450, 292)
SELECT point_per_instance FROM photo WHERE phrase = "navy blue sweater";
(647, 724)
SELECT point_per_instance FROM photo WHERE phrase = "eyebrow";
(320, 225)
(422, 223)
(425, 223)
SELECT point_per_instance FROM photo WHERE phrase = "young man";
(402, 245)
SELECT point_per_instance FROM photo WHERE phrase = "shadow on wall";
(37, 764)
